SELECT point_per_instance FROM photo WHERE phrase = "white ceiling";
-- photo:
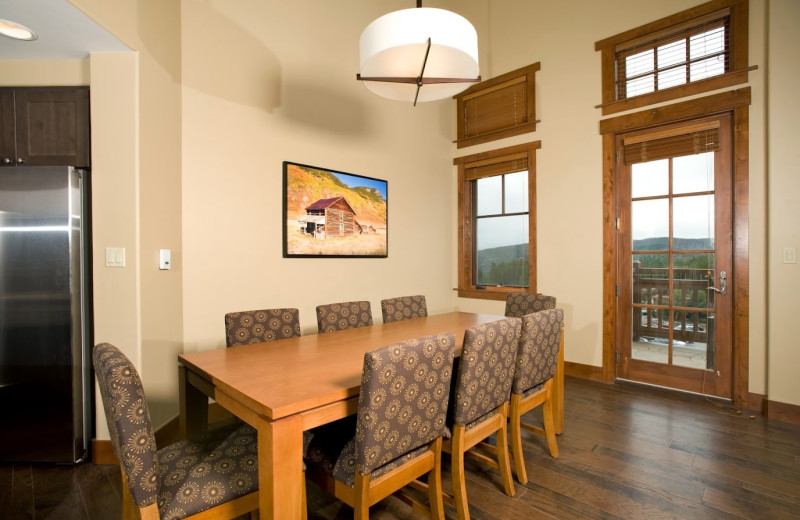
(64, 32)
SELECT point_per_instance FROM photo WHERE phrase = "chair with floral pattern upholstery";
(257, 326)
(403, 308)
(212, 476)
(479, 408)
(342, 316)
(396, 436)
(520, 304)
(541, 341)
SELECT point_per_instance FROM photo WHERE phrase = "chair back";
(403, 308)
(128, 422)
(342, 316)
(537, 358)
(257, 326)
(405, 389)
(520, 304)
(485, 369)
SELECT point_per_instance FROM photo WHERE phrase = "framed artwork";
(327, 213)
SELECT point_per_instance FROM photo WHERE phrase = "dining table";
(282, 388)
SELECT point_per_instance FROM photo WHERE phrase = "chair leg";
(457, 469)
(361, 501)
(435, 484)
(548, 416)
(502, 455)
(516, 439)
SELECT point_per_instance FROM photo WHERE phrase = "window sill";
(489, 293)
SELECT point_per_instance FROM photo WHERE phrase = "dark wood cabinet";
(44, 126)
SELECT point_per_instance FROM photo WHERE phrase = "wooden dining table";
(285, 387)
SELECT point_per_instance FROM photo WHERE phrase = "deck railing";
(689, 301)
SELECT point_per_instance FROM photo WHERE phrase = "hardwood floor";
(627, 452)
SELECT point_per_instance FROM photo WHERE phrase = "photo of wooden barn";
(330, 218)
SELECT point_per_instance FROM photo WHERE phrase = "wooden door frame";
(737, 103)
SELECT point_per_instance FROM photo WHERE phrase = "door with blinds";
(674, 244)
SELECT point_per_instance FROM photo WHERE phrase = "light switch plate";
(164, 259)
(115, 257)
(789, 255)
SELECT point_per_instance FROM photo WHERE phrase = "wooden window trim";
(739, 23)
(466, 285)
(525, 76)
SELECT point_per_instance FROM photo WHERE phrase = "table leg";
(280, 468)
(193, 405)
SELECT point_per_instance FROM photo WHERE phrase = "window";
(695, 51)
(497, 212)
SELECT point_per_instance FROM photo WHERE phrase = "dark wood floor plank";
(22, 505)
(93, 483)
(743, 508)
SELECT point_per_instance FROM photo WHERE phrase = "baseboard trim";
(783, 412)
(103, 453)
(583, 371)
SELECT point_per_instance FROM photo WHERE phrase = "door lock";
(723, 284)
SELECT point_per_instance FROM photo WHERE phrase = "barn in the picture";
(329, 218)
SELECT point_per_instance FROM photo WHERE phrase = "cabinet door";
(52, 126)
(8, 151)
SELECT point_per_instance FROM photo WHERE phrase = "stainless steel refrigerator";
(45, 385)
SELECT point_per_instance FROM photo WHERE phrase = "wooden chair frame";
(519, 406)
(465, 441)
(367, 492)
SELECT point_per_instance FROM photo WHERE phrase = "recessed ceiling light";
(16, 31)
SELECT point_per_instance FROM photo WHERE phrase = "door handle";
(723, 284)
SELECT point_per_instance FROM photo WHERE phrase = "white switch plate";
(115, 257)
(164, 259)
(789, 255)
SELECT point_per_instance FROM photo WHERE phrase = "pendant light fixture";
(419, 54)
(16, 31)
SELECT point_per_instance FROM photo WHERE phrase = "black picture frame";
(333, 214)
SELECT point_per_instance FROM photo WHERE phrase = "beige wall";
(277, 83)
(783, 155)
(219, 93)
(150, 192)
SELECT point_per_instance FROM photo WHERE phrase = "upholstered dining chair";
(396, 436)
(479, 408)
(344, 315)
(403, 308)
(542, 339)
(213, 476)
(520, 304)
(257, 326)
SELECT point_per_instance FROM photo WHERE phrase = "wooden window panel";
(497, 108)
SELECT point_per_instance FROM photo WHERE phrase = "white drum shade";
(394, 45)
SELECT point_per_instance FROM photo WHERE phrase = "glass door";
(675, 247)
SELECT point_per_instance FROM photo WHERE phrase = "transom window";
(698, 50)
(696, 53)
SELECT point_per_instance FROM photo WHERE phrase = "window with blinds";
(695, 51)
(682, 55)
(496, 199)
(497, 108)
